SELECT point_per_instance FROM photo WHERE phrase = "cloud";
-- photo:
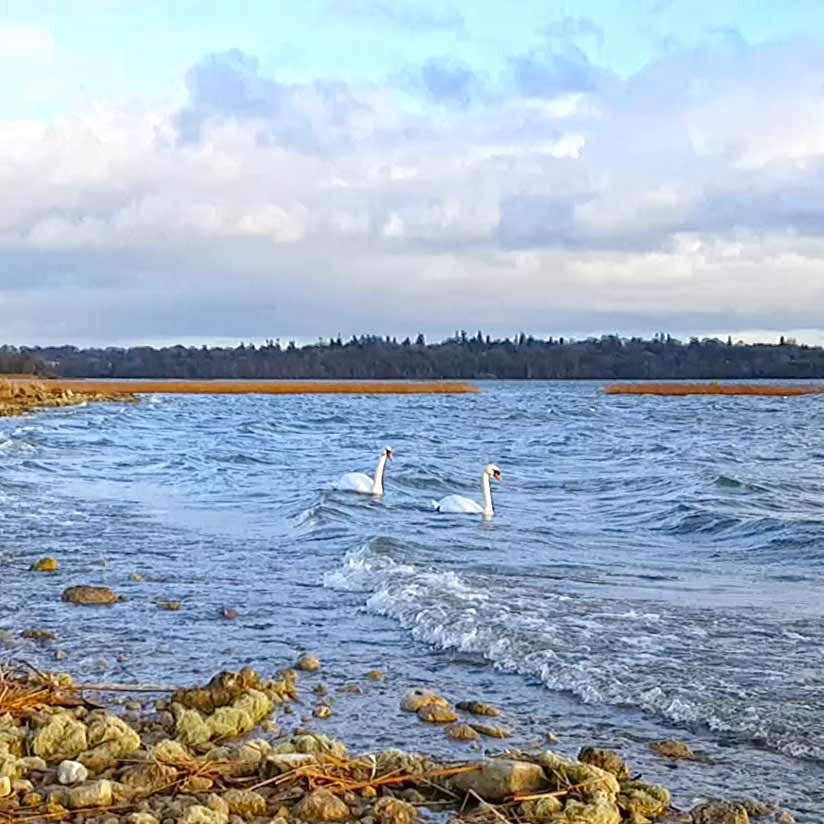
(685, 197)
(24, 43)
(398, 14)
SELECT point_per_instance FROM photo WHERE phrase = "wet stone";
(478, 708)
(44, 565)
(433, 714)
(307, 663)
(462, 732)
(676, 750)
(89, 596)
(719, 812)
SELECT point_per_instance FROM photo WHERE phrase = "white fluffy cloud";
(555, 198)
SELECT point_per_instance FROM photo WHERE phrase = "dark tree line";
(15, 361)
(461, 356)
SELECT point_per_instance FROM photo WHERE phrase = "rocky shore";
(19, 396)
(218, 754)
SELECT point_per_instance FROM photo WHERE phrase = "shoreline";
(217, 754)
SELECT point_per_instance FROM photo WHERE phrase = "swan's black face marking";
(496, 474)
(389, 454)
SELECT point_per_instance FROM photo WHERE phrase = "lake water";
(654, 568)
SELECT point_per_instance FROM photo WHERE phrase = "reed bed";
(115, 387)
(684, 389)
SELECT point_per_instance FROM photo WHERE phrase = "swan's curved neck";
(377, 484)
(487, 495)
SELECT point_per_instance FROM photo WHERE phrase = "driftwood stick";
(123, 688)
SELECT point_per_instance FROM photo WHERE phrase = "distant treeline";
(462, 356)
(20, 362)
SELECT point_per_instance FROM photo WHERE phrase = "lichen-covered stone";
(394, 811)
(198, 814)
(648, 800)
(150, 776)
(720, 812)
(541, 810)
(321, 805)
(608, 760)
(169, 751)
(5, 786)
(245, 803)
(110, 739)
(223, 689)
(496, 780)
(62, 737)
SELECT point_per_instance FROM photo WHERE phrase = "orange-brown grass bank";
(217, 387)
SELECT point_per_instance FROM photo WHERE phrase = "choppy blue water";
(654, 568)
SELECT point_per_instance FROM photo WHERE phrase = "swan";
(459, 504)
(359, 482)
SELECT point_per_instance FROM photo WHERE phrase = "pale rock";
(94, 794)
(719, 812)
(307, 663)
(110, 739)
(413, 700)
(495, 780)
(5, 786)
(71, 772)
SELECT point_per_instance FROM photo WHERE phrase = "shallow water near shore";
(653, 570)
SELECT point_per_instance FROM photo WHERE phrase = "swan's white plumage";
(355, 482)
(460, 505)
(359, 482)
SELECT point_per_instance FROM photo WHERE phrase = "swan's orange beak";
(389, 454)
(497, 476)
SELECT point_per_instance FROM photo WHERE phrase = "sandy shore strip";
(684, 389)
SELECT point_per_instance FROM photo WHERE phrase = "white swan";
(459, 504)
(359, 482)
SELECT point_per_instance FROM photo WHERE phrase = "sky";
(205, 171)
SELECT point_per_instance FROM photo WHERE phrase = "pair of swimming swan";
(458, 504)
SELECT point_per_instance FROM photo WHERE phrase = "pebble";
(59, 655)
(322, 711)
(229, 614)
(170, 606)
(44, 565)
(375, 675)
(321, 805)
(136, 577)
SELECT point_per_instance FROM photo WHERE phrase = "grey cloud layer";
(552, 196)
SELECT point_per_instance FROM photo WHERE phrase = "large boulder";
(89, 596)
(110, 739)
(62, 738)
(497, 779)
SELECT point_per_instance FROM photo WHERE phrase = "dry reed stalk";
(684, 389)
